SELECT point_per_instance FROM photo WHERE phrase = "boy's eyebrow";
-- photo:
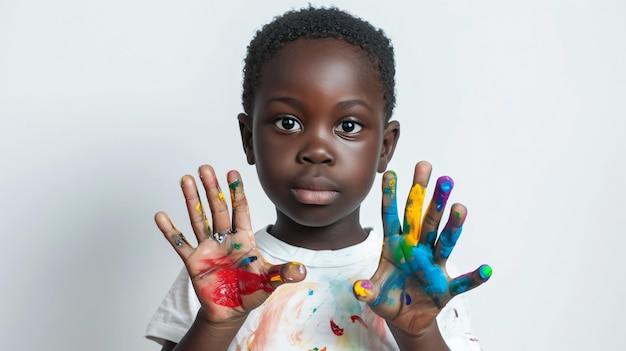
(354, 102)
(341, 105)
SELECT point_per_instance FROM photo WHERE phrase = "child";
(318, 95)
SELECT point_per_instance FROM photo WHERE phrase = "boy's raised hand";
(227, 271)
(411, 284)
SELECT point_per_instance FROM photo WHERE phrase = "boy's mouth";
(315, 197)
(315, 191)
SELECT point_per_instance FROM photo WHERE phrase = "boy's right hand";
(227, 271)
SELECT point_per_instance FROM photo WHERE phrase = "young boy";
(318, 95)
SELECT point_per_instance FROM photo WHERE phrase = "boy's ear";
(245, 128)
(390, 140)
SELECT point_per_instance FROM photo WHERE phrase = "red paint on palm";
(232, 283)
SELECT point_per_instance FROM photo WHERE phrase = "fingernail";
(363, 288)
(298, 266)
(287, 272)
(444, 187)
(485, 271)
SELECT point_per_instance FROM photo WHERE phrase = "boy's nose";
(317, 151)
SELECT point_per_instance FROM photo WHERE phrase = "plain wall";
(104, 105)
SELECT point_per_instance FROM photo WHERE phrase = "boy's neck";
(338, 235)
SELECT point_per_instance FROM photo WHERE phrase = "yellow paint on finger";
(360, 290)
(200, 210)
(413, 214)
(221, 196)
(392, 186)
(276, 278)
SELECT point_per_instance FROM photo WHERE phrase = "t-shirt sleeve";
(176, 313)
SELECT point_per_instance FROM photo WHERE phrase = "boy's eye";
(348, 127)
(288, 123)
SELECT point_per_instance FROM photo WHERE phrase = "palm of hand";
(229, 278)
(228, 273)
(411, 284)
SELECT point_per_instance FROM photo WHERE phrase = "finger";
(197, 215)
(173, 235)
(435, 210)
(383, 292)
(450, 233)
(421, 173)
(291, 272)
(470, 280)
(415, 203)
(364, 290)
(241, 211)
(215, 197)
(391, 221)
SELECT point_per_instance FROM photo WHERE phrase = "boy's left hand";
(411, 284)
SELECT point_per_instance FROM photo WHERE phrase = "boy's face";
(317, 133)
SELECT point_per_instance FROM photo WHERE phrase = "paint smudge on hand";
(413, 214)
(232, 283)
(442, 191)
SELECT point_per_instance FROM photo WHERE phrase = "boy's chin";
(315, 216)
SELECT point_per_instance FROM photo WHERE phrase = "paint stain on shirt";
(335, 328)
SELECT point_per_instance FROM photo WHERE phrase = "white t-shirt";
(320, 313)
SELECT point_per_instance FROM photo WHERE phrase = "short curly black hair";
(315, 23)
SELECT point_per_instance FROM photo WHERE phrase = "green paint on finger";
(234, 184)
(485, 271)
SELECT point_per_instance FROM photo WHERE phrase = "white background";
(104, 105)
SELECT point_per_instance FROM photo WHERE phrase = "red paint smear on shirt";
(357, 318)
(231, 283)
(335, 328)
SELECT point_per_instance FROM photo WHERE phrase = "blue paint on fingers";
(448, 239)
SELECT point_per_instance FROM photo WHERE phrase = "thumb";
(290, 272)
